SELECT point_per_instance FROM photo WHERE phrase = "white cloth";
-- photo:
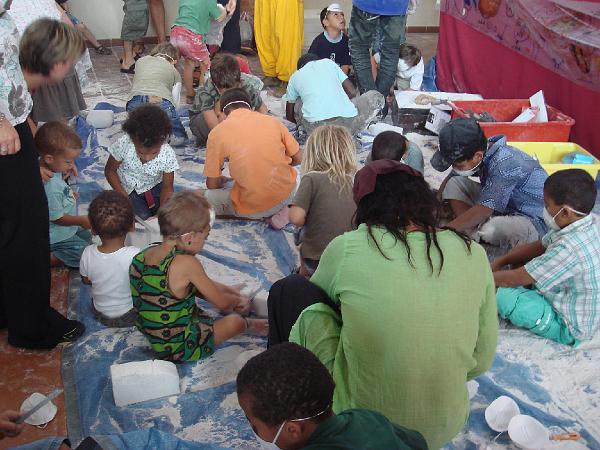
(137, 176)
(109, 274)
(414, 73)
(15, 101)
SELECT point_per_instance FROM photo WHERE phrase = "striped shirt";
(568, 275)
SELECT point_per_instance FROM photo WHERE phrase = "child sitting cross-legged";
(563, 269)
(153, 82)
(141, 164)
(392, 145)
(106, 266)
(166, 278)
(287, 396)
(323, 204)
(59, 146)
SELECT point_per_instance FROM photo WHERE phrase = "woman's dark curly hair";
(400, 200)
(286, 382)
(148, 125)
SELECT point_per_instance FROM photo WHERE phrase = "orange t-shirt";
(260, 149)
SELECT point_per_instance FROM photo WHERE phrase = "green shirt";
(195, 15)
(361, 429)
(410, 338)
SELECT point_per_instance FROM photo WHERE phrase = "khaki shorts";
(220, 200)
(135, 20)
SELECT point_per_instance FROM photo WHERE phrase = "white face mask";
(270, 445)
(550, 220)
(402, 66)
(467, 173)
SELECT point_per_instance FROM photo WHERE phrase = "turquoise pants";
(529, 309)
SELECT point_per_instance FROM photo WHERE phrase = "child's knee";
(523, 307)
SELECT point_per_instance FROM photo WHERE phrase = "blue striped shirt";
(568, 275)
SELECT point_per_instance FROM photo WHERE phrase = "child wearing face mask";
(166, 278)
(409, 75)
(505, 206)
(59, 146)
(287, 396)
(156, 80)
(561, 271)
(141, 164)
(392, 145)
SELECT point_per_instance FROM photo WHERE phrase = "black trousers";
(288, 297)
(25, 251)
(232, 41)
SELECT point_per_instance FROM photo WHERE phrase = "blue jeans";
(364, 27)
(166, 106)
(140, 205)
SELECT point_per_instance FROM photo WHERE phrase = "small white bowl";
(528, 433)
(500, 412)
(100, 118)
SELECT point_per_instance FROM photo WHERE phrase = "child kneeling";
(59, 146)
(564, 267)
(166, 278)
(287, 396)
(106, 267)
(141, 164)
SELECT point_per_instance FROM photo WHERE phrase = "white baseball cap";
(335, 7)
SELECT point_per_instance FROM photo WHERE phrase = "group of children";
(551, 285)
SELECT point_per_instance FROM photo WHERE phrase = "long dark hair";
(400, 200)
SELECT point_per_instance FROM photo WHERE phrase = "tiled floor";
(26, 371)
(23, 372)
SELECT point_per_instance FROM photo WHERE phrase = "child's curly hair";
(148, 125)
(111, 214)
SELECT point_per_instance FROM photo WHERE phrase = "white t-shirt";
(414, 73)
(109, 274)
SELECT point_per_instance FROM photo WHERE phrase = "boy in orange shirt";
(261, 153)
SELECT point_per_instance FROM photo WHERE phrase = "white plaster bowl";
(528, 433)
(43, 415)
(500, 412)
(100, 118)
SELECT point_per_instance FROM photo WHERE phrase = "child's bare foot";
(257, 327)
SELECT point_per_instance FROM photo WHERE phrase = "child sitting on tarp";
(411, 68)
(333, 42)
(505, 207)
(166, 278)
(287, 396)
(59, 146)
(392, 145)
(154, 81)
(563, 268)
(319, 93)
(106, 266)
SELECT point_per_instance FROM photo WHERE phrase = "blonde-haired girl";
(323, 205)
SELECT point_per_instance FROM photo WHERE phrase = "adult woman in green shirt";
(417, 311)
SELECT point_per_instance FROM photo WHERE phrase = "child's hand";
(85, 222)
(45, 174)
(221, 18)
(8, 427)
(243, 306)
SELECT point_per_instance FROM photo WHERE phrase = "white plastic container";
(139, 381)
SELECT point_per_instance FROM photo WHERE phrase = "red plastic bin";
(557, 129)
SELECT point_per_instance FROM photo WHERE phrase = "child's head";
(186, 219)
(389, 145)
(569, 195)
(50, 47)
(410, 54)
(285, 393)
(149, 127)
(233, 99)
(462, 146)
(332, 18)
(167, 51)
(111, 215)
(59, 146)
(305, 59)
(225, 72)
(330, 149)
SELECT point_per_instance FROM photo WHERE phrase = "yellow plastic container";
(550, 155)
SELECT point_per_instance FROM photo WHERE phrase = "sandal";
(102, 50)
(130, 70)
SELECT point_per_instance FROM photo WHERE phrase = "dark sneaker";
(72, 335)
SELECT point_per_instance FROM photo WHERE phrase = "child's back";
(195, 15)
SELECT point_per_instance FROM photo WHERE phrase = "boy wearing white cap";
(333, 42)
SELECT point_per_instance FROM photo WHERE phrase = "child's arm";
(110, 172)
(297, 215)
(349, 88)
(167, 187)
(519, 255)
(471, 218)
(68, 221)
(85, 280)
(210, 118)
(289, 112)
(513, 278)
